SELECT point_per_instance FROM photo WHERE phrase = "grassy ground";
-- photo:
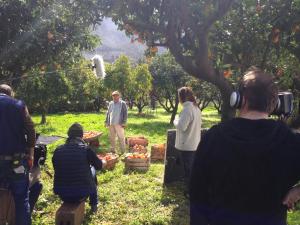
(125, 199)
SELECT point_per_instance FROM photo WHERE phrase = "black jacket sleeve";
(93, 159)
(199, 184)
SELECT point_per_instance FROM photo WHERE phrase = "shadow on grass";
(173, 194)
(134, 171)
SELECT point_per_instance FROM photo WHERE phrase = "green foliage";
(134, 82)
(141, 86)
(168, 77)
(217, 41)
(41, 90)
(86, 87)
(56, 90)
(36, 32)
(119, 75)
(205, 93)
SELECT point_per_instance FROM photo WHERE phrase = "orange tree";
(182, 26)
(215, 41)
(39, 32)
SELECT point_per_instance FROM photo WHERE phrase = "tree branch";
(222, 9)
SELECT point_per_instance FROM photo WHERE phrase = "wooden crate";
(70, 214)
(111, 164)
(7, 207)
(132, 141)
(158, 152)
(137, 164)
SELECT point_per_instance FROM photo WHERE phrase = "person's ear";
(244, 104)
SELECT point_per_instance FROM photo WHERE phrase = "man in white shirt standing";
(116, 119)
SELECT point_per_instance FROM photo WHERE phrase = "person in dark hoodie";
(74, 169)
(245, 167)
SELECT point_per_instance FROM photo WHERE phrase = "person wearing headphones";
(245, 168)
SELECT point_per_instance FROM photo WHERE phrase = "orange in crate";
(158, 152)
(89, 136)
(138, 149)
(111, 160)
(139, 140)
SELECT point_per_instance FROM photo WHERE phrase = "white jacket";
(188, 128)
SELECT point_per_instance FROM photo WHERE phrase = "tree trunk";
(43, 121)
(226, 89)
(140, 108)
(44, 113)
(295, 121)
(174, 112)
(130, 104)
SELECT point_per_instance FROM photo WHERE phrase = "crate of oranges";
(137, 140)
(111, 160)
(158, 152)
(89, 136)
(137, 161)
(138, 149)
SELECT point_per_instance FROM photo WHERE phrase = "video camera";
(40, 153)
(284, 106)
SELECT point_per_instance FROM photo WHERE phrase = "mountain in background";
(114, 43)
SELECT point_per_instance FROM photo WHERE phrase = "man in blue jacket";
(17, 140)
(245, 167)
(74, 169)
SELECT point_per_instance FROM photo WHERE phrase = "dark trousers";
(187, 159)
(35, 191)
(93, 197)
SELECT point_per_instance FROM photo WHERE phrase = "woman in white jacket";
(188, 129)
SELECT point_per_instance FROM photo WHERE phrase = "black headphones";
(236, 100)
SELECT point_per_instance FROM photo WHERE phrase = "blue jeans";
(18, 184)
(20, 192)
(93, 197)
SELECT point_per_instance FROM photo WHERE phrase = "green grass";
(125, 199)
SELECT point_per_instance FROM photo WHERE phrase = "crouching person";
(74, 169)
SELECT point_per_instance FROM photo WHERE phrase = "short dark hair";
(75, 130)
(259, 90)
(6, 89)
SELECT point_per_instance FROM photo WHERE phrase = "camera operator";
(17, 140)
(245, 167)
(75, 166)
